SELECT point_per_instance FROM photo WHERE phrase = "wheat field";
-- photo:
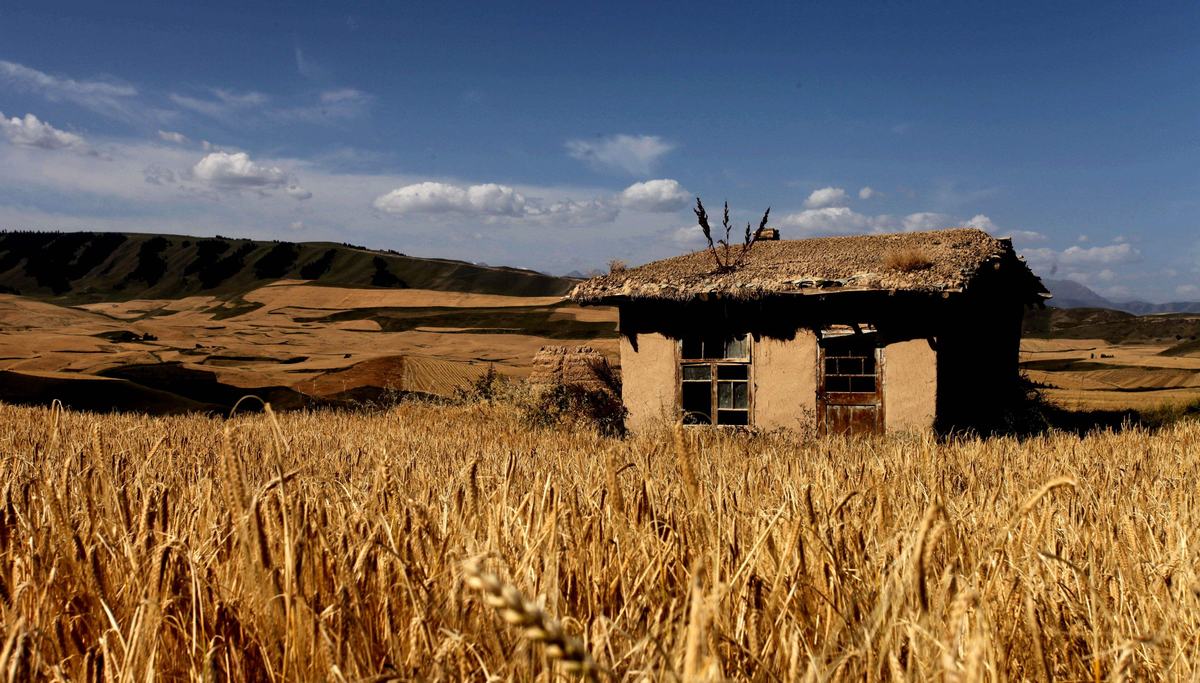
(458, 543)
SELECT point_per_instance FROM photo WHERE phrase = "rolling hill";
(85, 267)
(170, 323)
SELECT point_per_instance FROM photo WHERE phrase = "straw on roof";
(819, 265)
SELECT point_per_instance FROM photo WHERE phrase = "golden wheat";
(331, 546)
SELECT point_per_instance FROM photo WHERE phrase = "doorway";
(849, 390)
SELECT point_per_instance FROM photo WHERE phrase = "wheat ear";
(538, 626)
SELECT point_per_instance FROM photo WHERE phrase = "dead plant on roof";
(907, 260)
(726, 257)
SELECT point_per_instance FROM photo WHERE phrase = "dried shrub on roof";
(726, 258)
(907, 260)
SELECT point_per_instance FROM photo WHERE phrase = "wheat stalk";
(536, 624)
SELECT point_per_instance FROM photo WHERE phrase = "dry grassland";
(338, 546)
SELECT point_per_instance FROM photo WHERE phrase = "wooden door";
(849, 390)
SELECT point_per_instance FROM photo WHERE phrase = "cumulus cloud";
(237, 171)
(825, 197)
(842, 220)
(926, 220)
(867, 193)
(1076, 259)
(109, 98)
(1113, 253)
(688, 237)
(32, 132)
(831, 220)
(633, 154)
(489, 199)
(172, 136)
(660, 195)
(492, 201)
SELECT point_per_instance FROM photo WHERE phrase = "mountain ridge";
(89, 267)
(1072, 294)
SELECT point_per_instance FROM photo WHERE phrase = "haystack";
(580, 366)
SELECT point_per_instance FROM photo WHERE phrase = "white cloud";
(296, 192)
(842, 220)
(155, 174)
(927, 220)
(1077, 260)
(230, 106)
(867, 193)
(109, 98)
(1027, 235)
(306, 67)
(986, 224)
(296, 226)
(489, 199)
(32, 132)
(832, 220)
(633, 154)
(222, 104)
(826, 196)
(172, 136)
(655, 196)
(981, 222)
(1114, 253)
(332, 105)
(688, 237)
(237, 171)
(492, 201)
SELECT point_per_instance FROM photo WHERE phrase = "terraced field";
(290, 342)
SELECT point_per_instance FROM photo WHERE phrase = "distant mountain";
(1071, 294)
(81, 267)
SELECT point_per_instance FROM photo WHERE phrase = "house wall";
(649, 377)
(785, 382)
(909, 386)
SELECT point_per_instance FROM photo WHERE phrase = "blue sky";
(557, 137)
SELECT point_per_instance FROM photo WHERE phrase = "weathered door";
(849, 393)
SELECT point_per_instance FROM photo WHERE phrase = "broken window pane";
(839, 383)
(697, 402)
(733, 371)
(733, 417)
(714, 346)
(864, 385)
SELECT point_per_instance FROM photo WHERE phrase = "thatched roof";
(934, 261)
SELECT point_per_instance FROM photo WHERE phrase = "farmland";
(366, 546)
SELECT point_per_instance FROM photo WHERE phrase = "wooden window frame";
(714, 381)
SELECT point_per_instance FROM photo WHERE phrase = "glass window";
(715, 378)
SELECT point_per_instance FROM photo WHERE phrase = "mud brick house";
(871, 334)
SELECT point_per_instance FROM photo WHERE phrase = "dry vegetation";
(907, 260)
(342, 546)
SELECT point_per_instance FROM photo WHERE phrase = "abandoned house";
(870, 334)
